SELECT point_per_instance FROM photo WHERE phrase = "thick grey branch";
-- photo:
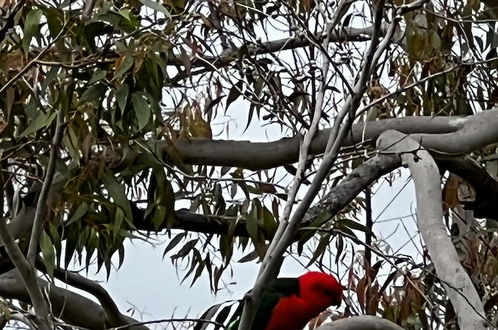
(352, 184)
(363, 322)
(27, 275)
(257, 156)
(114, 316)
(69, 306)
(425, 173)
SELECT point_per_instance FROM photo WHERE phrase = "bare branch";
(458, 285)
(41, 206)
(67, 305)
(114, 316)
(28, 276)
(361, 323)
(87, 12)
(436, 132)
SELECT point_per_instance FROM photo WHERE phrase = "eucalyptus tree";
(115, 124)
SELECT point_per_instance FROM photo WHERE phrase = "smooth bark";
(363, 322)
(459, 287)
(447, 135)
(67, 305)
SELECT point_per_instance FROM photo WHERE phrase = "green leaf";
(142, 109)
(234, 93)
(80, 212)
(252, 222)
(118, 221)
(157, 7)
(41, 120)
(92, 94)
(159, 216)
(124, 67)
(320, 249)
(54, 20)
(117, 192)
(97, 75)
(174, 242)
(122, 96)
(47, 249)
(249, 257)
(31, 27)
(435, 41)
(185, 249)
(125, 13)
(169, 203)
(351, 224)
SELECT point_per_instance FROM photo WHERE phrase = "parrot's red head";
(320, 289)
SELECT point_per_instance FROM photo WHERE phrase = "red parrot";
(290, 303)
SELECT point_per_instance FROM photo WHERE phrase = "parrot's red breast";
(317, 291)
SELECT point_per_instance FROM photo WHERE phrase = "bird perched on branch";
(290, 303)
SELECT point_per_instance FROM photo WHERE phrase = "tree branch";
(342, 125)
(362, 322)
(113, 315)
(425, 173)
(341, 35)
(28, 276)
(485, 204)
(41, 205)
(69, 306)
(256, 156)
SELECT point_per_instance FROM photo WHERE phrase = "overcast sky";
(153, 285)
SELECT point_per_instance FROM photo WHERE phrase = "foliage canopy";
(116, 120)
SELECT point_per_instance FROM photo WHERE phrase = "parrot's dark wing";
(280, 287)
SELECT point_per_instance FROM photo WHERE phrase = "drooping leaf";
(41, 120)
(31, 27)
(48, 253)
(234, 93)
(79, 213)
(142, 109)
(122, 96)
(117, 192)
(174, 242)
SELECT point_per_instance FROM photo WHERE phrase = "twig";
(87, 12)
(33, 61)
(287, 228)
(42, 199)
